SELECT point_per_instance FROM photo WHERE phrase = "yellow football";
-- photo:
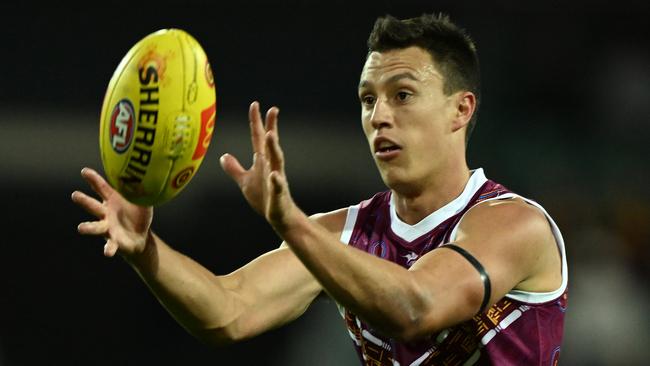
(157, 117)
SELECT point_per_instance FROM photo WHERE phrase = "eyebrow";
(390, 80)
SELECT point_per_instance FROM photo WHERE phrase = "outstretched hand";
(264, 184)
(124, 225)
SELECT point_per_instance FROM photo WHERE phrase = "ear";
(465, 107)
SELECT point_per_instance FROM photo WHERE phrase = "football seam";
(178, 36)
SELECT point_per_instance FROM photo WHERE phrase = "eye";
(403, 96)
(367, 99)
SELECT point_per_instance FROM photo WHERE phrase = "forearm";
(379, 291)
(201, 302)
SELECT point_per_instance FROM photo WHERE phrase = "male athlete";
(444, 268)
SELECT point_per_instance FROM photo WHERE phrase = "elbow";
(411, 329)
(217, 337)
(419, 328)
(416, 321)
(407, 325)
(429, 321)
(403, 331)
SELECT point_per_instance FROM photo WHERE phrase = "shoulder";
(512, 216)
(518, 238)
(333, 221)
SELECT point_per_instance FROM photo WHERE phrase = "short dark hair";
(450, 47)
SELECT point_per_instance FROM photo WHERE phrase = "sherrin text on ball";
(157, 117)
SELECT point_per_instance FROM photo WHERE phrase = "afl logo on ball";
(122, 125)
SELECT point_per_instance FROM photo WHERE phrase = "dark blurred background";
(564, 120)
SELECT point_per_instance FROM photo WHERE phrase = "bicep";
(505, 240)
(450, 289)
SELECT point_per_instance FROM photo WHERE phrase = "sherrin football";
(157, 117)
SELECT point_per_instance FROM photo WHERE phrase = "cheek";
(426, 137)
(365, 122)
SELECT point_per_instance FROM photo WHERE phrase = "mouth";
(386, 149)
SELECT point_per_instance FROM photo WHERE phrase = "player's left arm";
(511, 240)
(514, 244)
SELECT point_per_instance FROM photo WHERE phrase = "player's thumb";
(232, 167)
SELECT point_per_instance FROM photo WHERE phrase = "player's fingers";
(262, 164)
(274, 151)
(90, 204)
(97, 183)
(93, 228)
(232, 167)
(258, 162)
(257, 129)
(278, 182)
(272, 119)
(110, 248)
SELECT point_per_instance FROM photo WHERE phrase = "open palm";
(124, 224)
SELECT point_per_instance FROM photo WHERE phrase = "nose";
(382, 114)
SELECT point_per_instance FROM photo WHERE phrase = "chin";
(394, 179)
(400, 181)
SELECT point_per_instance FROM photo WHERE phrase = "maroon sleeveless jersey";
(523, 328)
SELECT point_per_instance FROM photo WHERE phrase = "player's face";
(406, 116)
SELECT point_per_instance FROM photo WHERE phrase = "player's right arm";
(270, 291)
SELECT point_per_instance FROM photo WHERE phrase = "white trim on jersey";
(346, 234)
(350, 221)
(503, 324)
(526, 296)
(476, 181)
(412, 232)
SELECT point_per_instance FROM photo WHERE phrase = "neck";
(414, 205)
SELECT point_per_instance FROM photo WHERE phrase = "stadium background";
(564, 120)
